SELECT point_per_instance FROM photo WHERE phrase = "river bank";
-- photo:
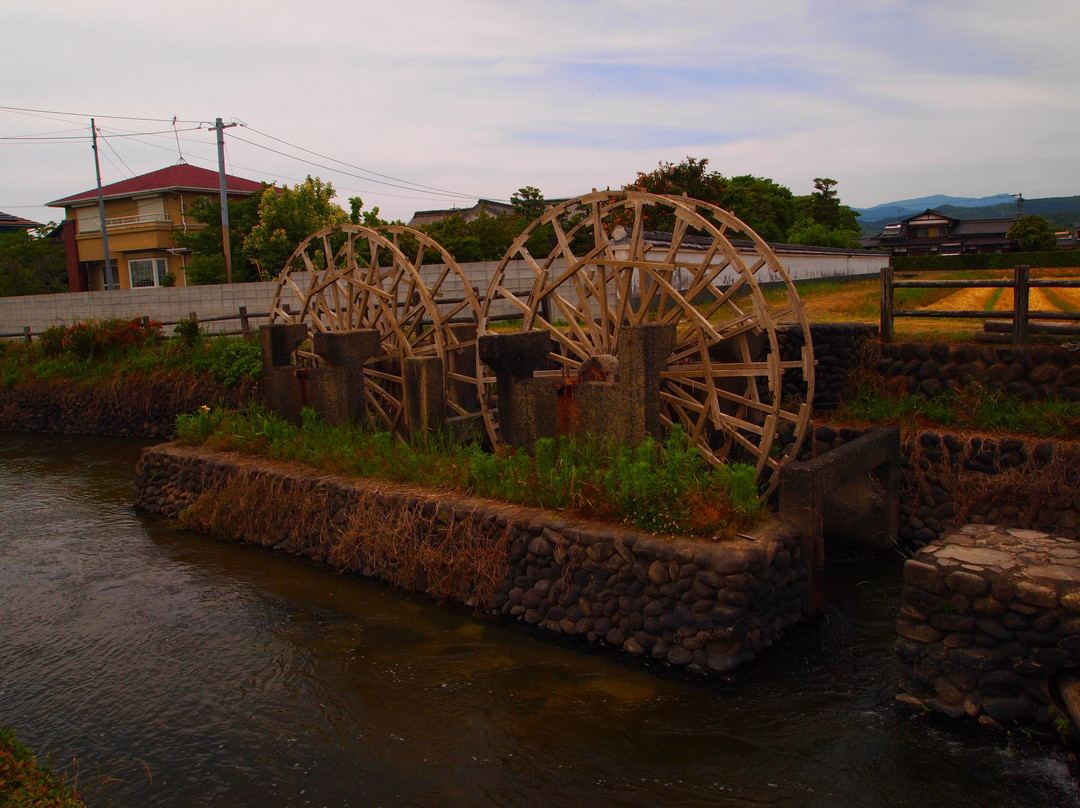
(206, 672)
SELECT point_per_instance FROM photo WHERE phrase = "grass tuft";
(661, 487)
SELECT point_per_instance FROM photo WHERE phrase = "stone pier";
(990, 627)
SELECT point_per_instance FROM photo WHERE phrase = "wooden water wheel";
(349, 277)
(626, 258)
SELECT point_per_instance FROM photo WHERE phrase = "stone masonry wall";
(989, 616)
(708, 606)
(950, 479)
(126, 409)
(1037, 372)
(839, 348)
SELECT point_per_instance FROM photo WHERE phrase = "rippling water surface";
(180, 671)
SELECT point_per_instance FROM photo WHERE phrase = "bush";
(232, 360)
(1056, 259)
(188, 331)
(93, 338)
(52, 340)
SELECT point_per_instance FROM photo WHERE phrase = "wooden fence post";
(1020, 305)
(27, 334)
(244, 320)
(886, 304)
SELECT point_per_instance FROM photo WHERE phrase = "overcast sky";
(477, 98)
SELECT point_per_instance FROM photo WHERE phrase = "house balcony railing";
(122, 222)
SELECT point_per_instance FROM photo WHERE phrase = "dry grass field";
(859, 301)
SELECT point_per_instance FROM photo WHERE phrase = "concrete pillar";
(425, 395)
(278, 341)
(527, 406)
(283, 391)
(643, 352)
(348, 351)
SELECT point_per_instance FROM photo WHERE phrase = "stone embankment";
(708, 606)
(949, 480)
(839, 349)
(140, 408)
(1039, 372)
(990, 617)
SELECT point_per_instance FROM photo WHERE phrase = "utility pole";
(107, 278)
(221, 127)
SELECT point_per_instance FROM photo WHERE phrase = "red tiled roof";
(11, 221)
(182, 177)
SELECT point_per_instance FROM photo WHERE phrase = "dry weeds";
(448, 557)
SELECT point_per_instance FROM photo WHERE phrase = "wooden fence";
(242, 317)
(1020, 316)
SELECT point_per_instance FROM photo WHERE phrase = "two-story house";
(140, 216)
(935, 233)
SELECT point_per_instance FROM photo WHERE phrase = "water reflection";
(212, 674)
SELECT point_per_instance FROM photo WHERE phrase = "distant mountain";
(903, 208)
(1060, 211)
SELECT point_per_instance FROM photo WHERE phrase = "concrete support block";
(327, 393)
(530, 412)
(278, 342)
(527, 406)
(804, 488)
(425, 395)
(348, 351)
(281, 391)
(643, 351)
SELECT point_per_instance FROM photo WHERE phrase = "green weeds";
(24, 782)
(112, 349)
(974, 408)
(662, 487)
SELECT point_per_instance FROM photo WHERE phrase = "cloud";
(483, 96)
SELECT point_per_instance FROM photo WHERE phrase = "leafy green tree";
(485, 238)
(1033, 233)
(32, 263)
(207, 264)
(528, 203)
(286, 218)
(367, 218)
(809, 233)
(691, 178)
(767, 207)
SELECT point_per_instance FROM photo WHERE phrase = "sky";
(423, 105)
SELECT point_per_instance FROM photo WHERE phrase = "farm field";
(859, 301)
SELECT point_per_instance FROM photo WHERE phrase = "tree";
(767, 207)
(286, 218)
(207, 264)
(691, 178)
(1033, 233)
(32, 263)
(367, 218)
(822, 220)
(528, 203)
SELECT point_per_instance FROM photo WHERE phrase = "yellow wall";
(134, 240)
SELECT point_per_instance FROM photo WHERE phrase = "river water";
(168, 669)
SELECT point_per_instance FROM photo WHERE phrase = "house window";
(88, 220)
(147, 272)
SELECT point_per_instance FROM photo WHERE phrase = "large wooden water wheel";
(349, 277)
(626, 258)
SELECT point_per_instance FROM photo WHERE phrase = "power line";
(358, 168)
(92, 115)
(79, 138)
(449, 194)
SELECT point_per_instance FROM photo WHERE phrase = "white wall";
(172, 304)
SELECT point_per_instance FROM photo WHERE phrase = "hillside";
(1060, 211)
